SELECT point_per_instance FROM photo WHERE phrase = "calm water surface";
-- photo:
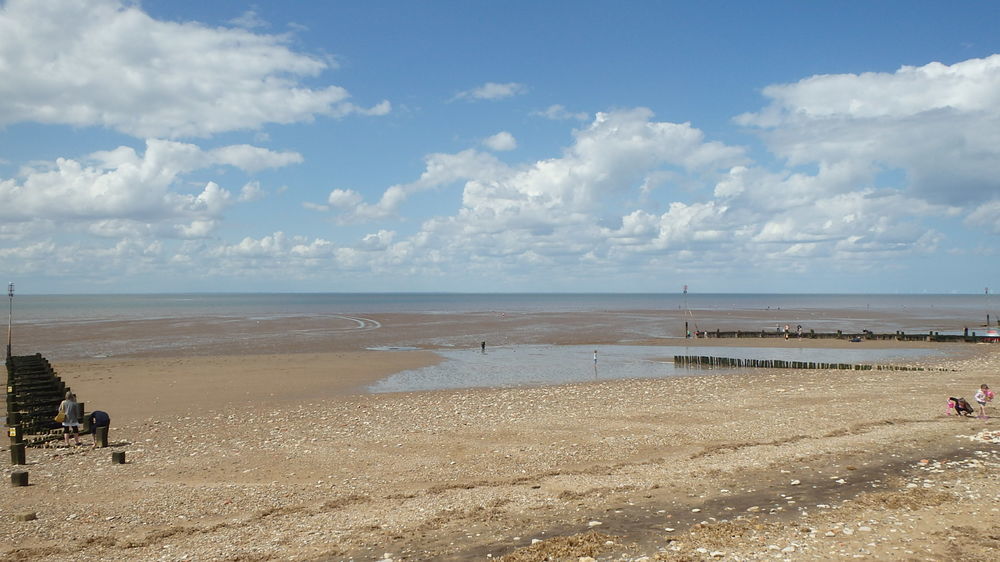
(530, 365)
(48, 308)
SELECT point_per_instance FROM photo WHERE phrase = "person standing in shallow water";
(71, 423)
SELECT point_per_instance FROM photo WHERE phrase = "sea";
(536, 364)
(54, 308)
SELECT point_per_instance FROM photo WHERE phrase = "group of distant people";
(69, 411)
(962, 407)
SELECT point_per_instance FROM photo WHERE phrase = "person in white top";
(983, 395)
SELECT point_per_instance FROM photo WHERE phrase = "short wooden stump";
(118, 457)
(19, 478)
(101, 436)
(17, 454)
(29, 516)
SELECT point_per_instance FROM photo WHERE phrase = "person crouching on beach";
(71, 422)
(961, 406)
(983, 395)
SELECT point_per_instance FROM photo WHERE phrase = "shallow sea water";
(533, 365)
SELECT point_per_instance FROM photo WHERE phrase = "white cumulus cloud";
(500, 142)
(108, 63)
(938, 124)
(109, 187)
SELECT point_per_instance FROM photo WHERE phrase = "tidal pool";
(530, 365)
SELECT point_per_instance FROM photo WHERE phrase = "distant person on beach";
(983, 395)
(961, 406)
(595, 357)
(71, 422)
(96, 419)
(483, 345)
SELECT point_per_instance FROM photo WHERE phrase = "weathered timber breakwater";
(34, 392)
(930, 336)
(710, 362)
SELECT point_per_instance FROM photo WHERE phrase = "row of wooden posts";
(20, 477)
(709, 362)
(898, 335)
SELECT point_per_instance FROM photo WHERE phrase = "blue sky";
(164, 146)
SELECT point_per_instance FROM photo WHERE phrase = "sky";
(499, 146)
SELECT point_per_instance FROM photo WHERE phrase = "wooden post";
(101, 436)
(17, 453)
(19, 478)
(118, 457)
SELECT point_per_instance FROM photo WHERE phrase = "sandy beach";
(277, 454)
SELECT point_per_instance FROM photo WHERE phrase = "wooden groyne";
(710, 362)
(841, 335)
(34, 392)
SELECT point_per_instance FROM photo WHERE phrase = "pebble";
(161, 474)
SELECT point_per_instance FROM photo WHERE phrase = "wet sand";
(237, 456)
(213, 336)
(136, 389)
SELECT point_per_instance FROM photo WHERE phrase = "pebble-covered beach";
(764, 464)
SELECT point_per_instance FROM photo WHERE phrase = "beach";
(259, 448)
